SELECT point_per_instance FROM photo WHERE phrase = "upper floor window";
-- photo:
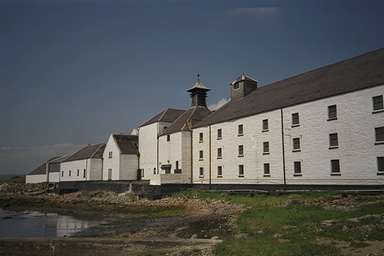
(201, 155)
(240, 130)
(219, 171)
(265, 148)
(241, 150)
(380, 165)
(295, 119)
(296, 144)
(332, 112)
(201, 137)
(265, 125)
(333, 140)
(378, 103)
(219, 134)
(267, 170)
(219, 153)
(168, 137)
(110, 154)
(241, 170)
(297, 168)
(379, 133)
(335, 167)
(201, 172)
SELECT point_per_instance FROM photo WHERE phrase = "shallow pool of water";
(37, 224)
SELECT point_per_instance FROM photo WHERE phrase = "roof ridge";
(97, 149)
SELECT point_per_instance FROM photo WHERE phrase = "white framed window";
(168, 137)
(380, 165)
(241, 151)
(295, 120)
(78, 172)
(267, 170)
(265, 125)
(110, 154)
(296, 145)
(220, 171)
(219, 134)
(240, 130)
(335, 167)
(333, 140)
(379, 135)
(297, 168)
(377, 103)
(201, 155)
(241, 170)
(201, 136)
(332, 112)
(219, 153)
(265, 148)
(201, 172)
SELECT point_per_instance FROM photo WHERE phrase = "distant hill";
(12, 177)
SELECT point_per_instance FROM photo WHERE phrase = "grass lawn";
(302, 224)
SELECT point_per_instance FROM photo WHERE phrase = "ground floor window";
(201, 173)
(335, 167)
(84, 173)
(219, 171)
(241, 170)
(267, 170)
(78, 172)
(297, 168)
(109, 174)
(380, 165)
(69, 173)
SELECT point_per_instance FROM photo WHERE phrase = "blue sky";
(74, 71)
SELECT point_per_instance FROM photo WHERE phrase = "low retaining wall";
(144, 189)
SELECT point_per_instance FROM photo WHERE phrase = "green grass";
(271, 226)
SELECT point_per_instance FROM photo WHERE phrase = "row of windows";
(296, 144)
(377, 102)
(77, 174)
(297, 170)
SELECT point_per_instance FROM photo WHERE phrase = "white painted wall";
(148, 148)
(355, 126)
(253, 159)
(111, 163)
(92, 167)
(128, 167)
(357, 151)
(177, 149)
(38, 178)
(54, 177)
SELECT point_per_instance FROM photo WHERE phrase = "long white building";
(324, 127)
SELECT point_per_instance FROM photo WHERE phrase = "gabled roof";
(54, 165)
(168, 115)
(189, 118)
(91, 151)
(353, 74)
(243, 77)
(128, 144)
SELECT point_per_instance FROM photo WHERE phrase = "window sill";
(239, 135)
(201, 159)
(219, 158)
(333, 147)
(295, 125)
(297, 175)
(296, 150)
(335, 174)
(200, 141)
(219, 176)
(240, 156)
(379, 143)
(241, 176)
(332, 119)
(201, 177)
(219, 138)
(267, 130)
(377, 111)
(267, 175)
(265, 153)
(380, 174)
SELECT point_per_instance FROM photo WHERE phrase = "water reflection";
(37, 224)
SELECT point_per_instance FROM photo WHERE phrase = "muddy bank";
(169, 226)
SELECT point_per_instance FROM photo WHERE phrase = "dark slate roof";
(90, 151)
(189, 118)
(128, 144)
(54, 165)
(243, 77)
(168, 115)
(353, 74)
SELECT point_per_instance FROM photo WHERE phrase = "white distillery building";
(83, 165)
(322, 127)
(121, 159)
(49, 171)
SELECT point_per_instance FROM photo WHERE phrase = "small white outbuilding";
(121, 161)
(49, 171)
(85, 164)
